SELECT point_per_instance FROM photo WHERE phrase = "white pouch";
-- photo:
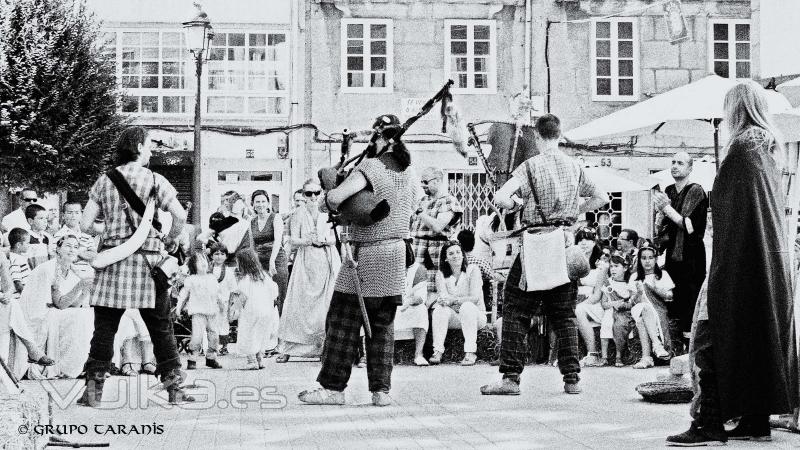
(544, 260)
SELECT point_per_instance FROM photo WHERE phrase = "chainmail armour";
(379, 248)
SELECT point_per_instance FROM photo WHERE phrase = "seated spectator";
(56, 305)
(618, 297)
(42, 245)
(460, 303)
(591, 313)
(12, 319)
(586, 239)
(653, 288)
(628, 244)
(412, 315)
(467, 240)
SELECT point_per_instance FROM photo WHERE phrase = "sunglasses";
(427, 182)
(30, 200)
(311, 193)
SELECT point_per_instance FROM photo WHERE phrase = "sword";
(351, 264)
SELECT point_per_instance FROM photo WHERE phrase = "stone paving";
(438, 406)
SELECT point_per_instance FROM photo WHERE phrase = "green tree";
(58, 96)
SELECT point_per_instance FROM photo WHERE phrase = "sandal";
(282, 358)
(44, 361)
(148, 368)
(127, 370)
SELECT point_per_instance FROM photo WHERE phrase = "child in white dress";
(200, 296)
(226, 277)
(258, 322)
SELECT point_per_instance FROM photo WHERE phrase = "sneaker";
(505, 386)
(362, 362)
(572, 388)
(420, 361)
(381, 399)
(697, 437)
(436, 358)
(252, 363)
(661, 352)
(322, 396)
(469, 359)
(619, 363)
(645, 363)
(751, 430)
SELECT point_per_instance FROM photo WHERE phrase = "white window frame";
(247, 93)
(731, 44)
(389, 80)
(190, 80)
(492, 57)
(158, 92)
(615, 97)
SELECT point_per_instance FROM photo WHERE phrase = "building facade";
(247, 86)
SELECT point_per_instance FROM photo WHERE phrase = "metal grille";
(474, 192)
(614, 211)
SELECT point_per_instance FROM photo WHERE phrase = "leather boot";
(172, 384)
(93, 394)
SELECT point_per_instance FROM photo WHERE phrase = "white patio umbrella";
(610, 180)
(791, 89)
(693, 110)
(703, 173)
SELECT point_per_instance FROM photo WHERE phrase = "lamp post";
(199, 34)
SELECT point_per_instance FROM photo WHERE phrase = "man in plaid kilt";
(435, 220)
(378, 250)
(128, 284)
(559, 182)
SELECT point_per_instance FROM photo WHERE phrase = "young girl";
(226, 277)
(258, 322)
(616, 297)
(653, 288)
(200, 296)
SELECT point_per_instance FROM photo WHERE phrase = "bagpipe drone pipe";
(364, 208)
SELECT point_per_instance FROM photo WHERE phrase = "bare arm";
(277, 226)
(295, 239)
(597, 200)
(90, 213)
(503, 196)
(475, 289)
(178, 219)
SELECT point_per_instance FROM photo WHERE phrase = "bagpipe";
(364, 208)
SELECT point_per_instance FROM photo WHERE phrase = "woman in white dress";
(411, 320)
(56, 303)
(316, 265)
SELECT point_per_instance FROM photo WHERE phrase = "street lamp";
(199, 34)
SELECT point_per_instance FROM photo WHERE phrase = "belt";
(50, 305)
(552, 223)
(374, 243)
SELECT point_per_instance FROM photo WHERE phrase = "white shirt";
(16, 219)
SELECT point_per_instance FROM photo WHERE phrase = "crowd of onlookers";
(268, 277)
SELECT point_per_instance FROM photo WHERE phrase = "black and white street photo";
(561, 224)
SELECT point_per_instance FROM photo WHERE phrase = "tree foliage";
(58, 96)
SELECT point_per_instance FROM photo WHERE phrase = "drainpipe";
(528, 45)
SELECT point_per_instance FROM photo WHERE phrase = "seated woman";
(412, 315)
(56, 304)
(460, 303)
(654, 288)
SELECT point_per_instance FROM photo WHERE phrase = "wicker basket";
(665, 392)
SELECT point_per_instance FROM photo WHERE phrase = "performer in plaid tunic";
(436, 218)
(382, 273)
(128, 283)
(559, 183)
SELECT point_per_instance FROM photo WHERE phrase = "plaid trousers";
(518, 308)
(342, 340)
